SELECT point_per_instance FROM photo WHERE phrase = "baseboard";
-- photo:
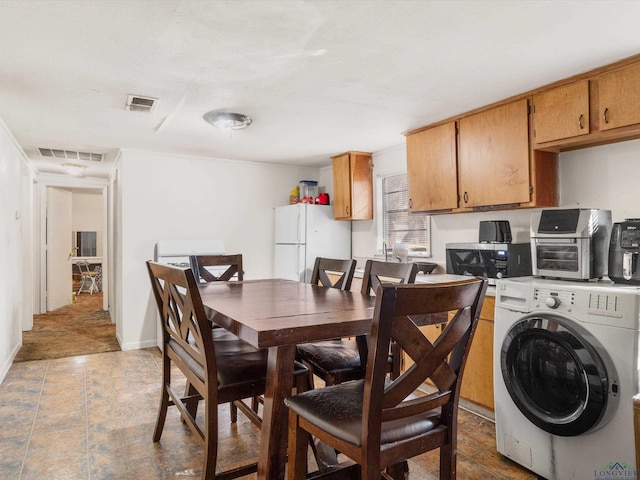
(9, 361)
(137, 345)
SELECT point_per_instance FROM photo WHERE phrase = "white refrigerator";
(304, 232)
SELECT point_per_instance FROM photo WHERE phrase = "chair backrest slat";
(376, 272)
(441, 361)
(199, 263)
(325, 266)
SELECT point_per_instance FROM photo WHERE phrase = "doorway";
(68, 207)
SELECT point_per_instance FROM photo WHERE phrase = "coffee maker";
(623, 252)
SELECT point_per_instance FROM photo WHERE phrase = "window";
(84, 244)
(396, 223)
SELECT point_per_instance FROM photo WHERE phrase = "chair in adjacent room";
(217, 371)
(337, 361)
(380, 423)
(87, 278)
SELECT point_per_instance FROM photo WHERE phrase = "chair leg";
(298, 444)
(448, 460)
(164, 400)
(210, 441)
(233, 412)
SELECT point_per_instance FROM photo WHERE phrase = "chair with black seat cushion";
(377, 422)
(337, 361)
(220, 371)
(225, 268)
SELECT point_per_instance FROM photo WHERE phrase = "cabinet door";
(477, 380)
(361, 186)
(619, 98)
(431, 169)
(341, 187)
(494, 156)
(561, 113)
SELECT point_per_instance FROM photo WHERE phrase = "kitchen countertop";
(434, 278)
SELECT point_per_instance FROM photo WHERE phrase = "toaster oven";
(570, 243)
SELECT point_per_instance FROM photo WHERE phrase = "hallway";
(78, 329)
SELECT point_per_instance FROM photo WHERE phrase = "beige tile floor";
(92, 417)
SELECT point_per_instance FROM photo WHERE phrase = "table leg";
(273, 435)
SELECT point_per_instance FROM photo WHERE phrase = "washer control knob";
(552, 302)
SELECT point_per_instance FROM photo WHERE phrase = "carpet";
(81, 328)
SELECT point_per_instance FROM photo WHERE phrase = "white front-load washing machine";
(565, 373)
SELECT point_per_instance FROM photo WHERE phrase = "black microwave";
(489, 260)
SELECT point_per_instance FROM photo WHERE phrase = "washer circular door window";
(554, 375)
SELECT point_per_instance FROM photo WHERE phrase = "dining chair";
(333, 273)
(378, 422)
(220, 371)
(229, 267)
(337, 361)
(232, 265)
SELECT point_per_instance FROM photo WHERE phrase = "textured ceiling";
(317, 77)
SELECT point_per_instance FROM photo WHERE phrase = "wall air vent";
(136, 103)
(71, 155)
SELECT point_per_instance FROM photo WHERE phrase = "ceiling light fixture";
(74, 169)
(227, 120)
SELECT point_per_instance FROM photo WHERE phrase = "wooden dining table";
(276, 315)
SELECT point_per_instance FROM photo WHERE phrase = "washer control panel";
(554, 298)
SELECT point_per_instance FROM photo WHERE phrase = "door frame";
(74, 183)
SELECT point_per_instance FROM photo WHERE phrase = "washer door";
(554, 375)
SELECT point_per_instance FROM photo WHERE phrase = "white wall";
(599, 177)
(603, 177)
(164, 197)
(16, 242)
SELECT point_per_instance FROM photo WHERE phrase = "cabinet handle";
(347, 209)
(466, 197)
(410, 203)
(580, 121)
(606, 115)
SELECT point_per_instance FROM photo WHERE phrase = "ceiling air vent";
(71, 155)
(136, 103)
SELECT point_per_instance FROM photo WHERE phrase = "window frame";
(380, 241)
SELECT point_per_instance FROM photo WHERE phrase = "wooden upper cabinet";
(561, 113)
(353, 186)
(493, 156)
(432, 170)
(619, 97)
